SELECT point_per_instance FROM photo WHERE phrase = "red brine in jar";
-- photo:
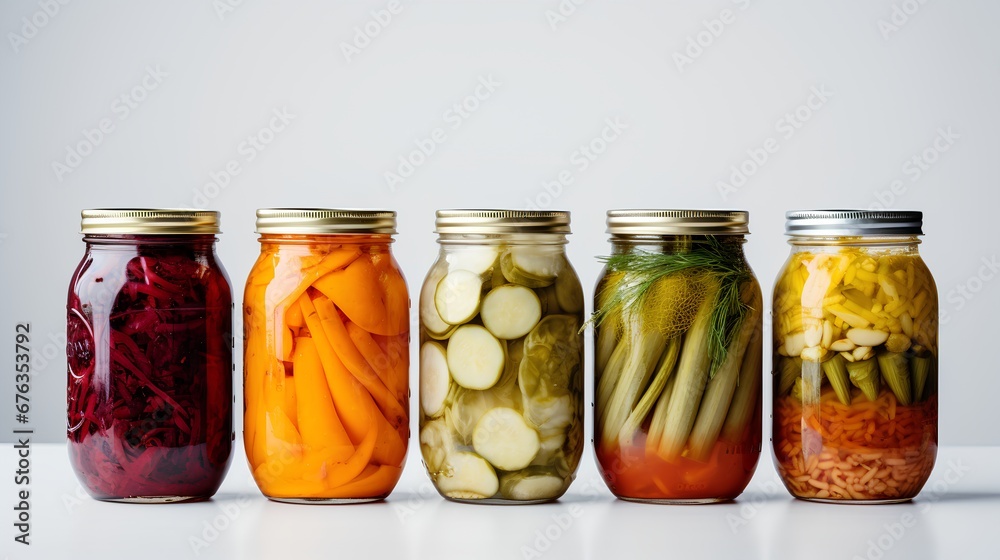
(149, 357)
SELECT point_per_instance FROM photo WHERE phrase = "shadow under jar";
(855, 358)
(149, 357)
(678, 344)
(326, 357)
(501, 358)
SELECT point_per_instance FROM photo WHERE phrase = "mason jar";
(855, 352)
(501, 358)
(326, 356)
(149, 338)
(677, 357)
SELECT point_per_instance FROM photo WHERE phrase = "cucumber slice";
(520, 266)
(503, 438)
(450, 330)
(511, 312)
(429, 317)
(534, 483)
(436, 443)
(467, 476)
(475, 357)
(457, 296)
(549, 299)
(434, 378)
(477, 259)
(569, 293)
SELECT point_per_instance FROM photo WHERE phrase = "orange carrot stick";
(336, 332)
(318, 422)
(345, 472)
(355, 290)
(290, 404)
(395, 294)
(377, 484)
(353, 402)
(373, 354)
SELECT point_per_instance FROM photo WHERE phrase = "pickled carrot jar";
(501, 358)
(677, 348)
(149, 356)
(855, 358)
(326, 356)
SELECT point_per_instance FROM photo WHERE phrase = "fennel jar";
(326, 335)
(501, 358)
(678, 344)
(855, 358)
(149, 355)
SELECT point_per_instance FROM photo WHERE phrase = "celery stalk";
(747, 390)
(692, 375)
(658, 422)
(719, 390)
(836, 371)
(789, 369)
(896, 372)
(921, 368)
(626, 436)
(635, 375)
(608, 377)
(865, 376)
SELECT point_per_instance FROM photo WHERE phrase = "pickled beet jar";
(149, 357)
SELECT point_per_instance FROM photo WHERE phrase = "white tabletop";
(955, 516)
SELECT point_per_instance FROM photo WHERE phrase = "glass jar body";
(501, 369)
(326, 368)
(855, 370)
(149, 362)
(672, 425)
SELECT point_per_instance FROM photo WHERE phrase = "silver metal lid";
(852, 223)
(493, 222)
(678, 222)
(149, 221)
(312, 221)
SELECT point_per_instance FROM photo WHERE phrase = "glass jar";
(678, 326)
(855, 358)
(149, 357)
(326, 356)
(501, 358)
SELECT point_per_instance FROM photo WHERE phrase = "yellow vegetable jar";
(855, 358)
(326, 346)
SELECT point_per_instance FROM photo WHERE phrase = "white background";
(893, 91)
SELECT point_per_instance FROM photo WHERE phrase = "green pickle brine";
(501, 358)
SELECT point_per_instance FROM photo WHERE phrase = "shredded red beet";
(149, 358)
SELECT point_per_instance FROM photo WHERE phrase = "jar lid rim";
(853, 223)
(501, 221)
(638, 222)
(325, 221)
(149, 221)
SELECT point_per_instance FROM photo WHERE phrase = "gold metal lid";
(149, 221)
(678, 222)
(306, 221)
(499, 222)
(853, 223)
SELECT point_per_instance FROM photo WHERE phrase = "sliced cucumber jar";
(678, 357)
(501, 358)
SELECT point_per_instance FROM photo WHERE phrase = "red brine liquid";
(149, 363)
